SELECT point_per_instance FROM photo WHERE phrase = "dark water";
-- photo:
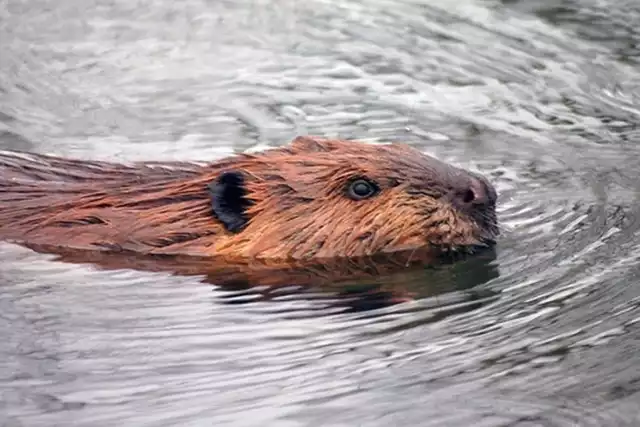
(540, 95)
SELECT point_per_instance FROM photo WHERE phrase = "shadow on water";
(354, 284)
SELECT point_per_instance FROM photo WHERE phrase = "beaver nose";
(476, 192)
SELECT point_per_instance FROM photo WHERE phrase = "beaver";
(315, 198)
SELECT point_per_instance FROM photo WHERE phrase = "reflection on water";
(358, 284)
(541, 96)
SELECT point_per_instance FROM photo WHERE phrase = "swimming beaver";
(316, 198)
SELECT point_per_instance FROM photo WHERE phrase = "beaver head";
(325, 198)
(316, 198)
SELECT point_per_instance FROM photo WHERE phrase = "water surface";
(540, 96)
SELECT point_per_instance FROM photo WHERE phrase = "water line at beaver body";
(540, 96)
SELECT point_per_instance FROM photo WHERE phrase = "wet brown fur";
(299, 207)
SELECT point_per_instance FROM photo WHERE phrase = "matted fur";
(299, 208)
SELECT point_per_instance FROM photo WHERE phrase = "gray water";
(542, 96)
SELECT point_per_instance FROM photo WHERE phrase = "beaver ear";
(310, 144)
(228, 200)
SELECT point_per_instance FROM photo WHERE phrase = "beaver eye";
(361, 189)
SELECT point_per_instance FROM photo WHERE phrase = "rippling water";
(541, 96)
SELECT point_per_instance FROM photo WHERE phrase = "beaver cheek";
(229, 203)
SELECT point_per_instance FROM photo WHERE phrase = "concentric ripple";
(542, 97)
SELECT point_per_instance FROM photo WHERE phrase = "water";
(541, 96)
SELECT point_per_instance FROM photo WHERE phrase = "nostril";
(475, 193)
(468, 196)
